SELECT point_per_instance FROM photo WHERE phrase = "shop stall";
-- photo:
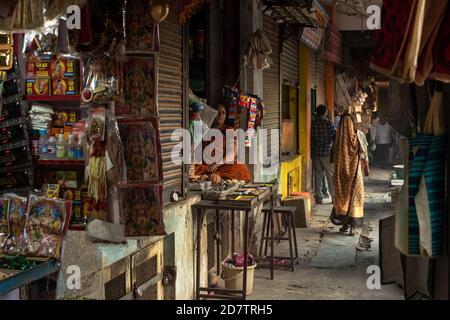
(79, 133)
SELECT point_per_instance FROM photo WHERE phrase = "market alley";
(330, 265)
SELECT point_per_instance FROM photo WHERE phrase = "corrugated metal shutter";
(317, 76)
(271, 81)
(312, 70)
(321, 79)
(171, 99)
(289, 62)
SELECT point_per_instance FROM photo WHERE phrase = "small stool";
(287, 217)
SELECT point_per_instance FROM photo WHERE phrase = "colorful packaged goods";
(46, 225)
(65, 87)
(17, 218)
(63, 68)
(38, 87)
(4, 225)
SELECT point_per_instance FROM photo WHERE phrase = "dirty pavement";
(333, 266)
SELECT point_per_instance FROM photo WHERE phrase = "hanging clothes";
(393, 36)
(434, 14)
(441, 51)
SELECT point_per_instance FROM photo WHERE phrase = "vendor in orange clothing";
(217, 173)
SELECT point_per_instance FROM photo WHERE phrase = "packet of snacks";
(17, 242)
(46, 226)
(4, 226)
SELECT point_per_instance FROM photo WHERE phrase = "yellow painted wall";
(293, 168)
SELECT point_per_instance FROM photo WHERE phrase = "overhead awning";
(309, 15)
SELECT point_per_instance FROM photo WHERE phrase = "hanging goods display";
(141, 210)
(142, 150)
(17, 242)
(45, 226)
(140, 88)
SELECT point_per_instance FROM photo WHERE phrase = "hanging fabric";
(406, 66)
(393, 36)
(258, 52)
(441, 51)
(434, 15)
(429, 201)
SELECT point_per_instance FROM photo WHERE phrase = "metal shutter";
(317, 75)
(321, 79)
(289, 62)
(271, 81)
(170, 99)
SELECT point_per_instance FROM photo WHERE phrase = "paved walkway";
(331, 267)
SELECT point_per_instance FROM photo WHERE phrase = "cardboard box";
(65, 87)
(38, 87)
(302, 215)
(63, 68)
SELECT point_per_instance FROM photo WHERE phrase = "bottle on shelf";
(79, 148)
(71, 144)
(61, 147)
(43, 141)
(51, 148)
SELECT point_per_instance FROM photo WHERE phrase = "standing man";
(322, 137)
(384, 140)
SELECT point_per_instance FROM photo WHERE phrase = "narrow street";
(331, 267)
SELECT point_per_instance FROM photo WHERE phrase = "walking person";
(322, 137)
(348, 202)
(384, 139)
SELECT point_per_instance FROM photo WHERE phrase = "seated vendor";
(217, 173)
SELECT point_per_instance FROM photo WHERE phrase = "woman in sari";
(217, 173)
(348, 202)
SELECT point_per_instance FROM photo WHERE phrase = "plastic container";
(61, 147)
(51, 148)
(43, 147)
(71, 144)
(233, 277)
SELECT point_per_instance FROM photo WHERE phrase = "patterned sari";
(348, 177)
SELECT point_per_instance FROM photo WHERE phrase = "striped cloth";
(435, 186)
(417, 162)
(426, 163)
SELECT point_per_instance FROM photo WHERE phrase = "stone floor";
(331, 268)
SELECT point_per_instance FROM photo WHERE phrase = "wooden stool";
(287, 218)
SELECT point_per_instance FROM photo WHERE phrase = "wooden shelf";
(60, 163)
(53, 98)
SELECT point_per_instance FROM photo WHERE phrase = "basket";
(233, 277)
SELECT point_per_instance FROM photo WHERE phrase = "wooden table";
(199, 209)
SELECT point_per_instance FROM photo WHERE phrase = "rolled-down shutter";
(321, 79)
(289, 62)
(170, 100)
(271, 81)
(312, 71)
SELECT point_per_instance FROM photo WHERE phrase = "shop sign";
(312, 37)
(332, 50)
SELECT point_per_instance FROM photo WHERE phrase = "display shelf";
(60, 163)
(53, 98)
(26, 277)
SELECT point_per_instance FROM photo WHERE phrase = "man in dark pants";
(384, 139)
(322, 137)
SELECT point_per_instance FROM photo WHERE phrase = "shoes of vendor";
(319, 200)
